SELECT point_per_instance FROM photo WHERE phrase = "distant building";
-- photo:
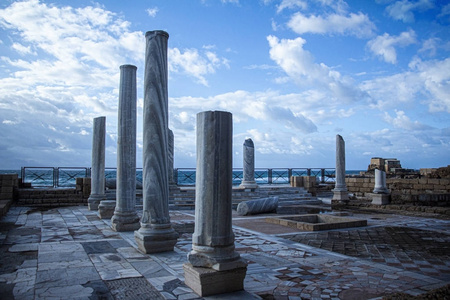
(389, 165)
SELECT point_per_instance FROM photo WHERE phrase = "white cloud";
(428, 81)
(299, 65)
(291, 4)
(403, 10)
(22, 50)
(384, 45)
(193, 63)
(402, 121)
(152, 11)
(354, 24)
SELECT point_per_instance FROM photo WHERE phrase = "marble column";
(156, 233)
(98, 164)
(340, 192)
(214, 266)
(258, 206)
(170, 157)
(125, 217)
(248, 153)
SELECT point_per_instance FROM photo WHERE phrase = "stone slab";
(317, 222)
(207, 282)
(380, 199)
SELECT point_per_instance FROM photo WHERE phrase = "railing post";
(289, 175)
(22, 174)
(322, 175)
(55, 176)
(269, 176)
(308, 172)
(175, 175)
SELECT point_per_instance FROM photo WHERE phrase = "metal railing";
(66, 176)
(53, 176)
(186, 176)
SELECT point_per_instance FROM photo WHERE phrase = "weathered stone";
(380, 199)
(213, 238)
(170, 155)
(248, 153)
(340, 192)
(207, 282)
(253, 207)
(98, 164)
(106, 209)
(156, 233)
(380, 182)
(125, 216)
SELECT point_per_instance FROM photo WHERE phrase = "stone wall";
(8, 185)
(50, 197)
(418, 191)
(307, 182)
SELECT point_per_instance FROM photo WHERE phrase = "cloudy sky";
(294, 73)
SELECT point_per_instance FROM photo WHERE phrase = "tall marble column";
(170, 157)
(125, 217)
(248, 153)
(214, 266)
(340, 192)
(156, 233)
(98, 164)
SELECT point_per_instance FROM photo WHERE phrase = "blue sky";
(294, 73)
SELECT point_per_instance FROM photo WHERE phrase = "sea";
(66, 177)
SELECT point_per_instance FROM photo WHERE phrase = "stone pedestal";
(253, 207)
(106, 209)
(213, 238)
(380, 199)
(206, 281)
(340, 192)
(125, 216)
(248, 152)
(156, 233)
(98, 164)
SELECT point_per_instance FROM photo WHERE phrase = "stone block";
(208, 282)
(380, 199)
(433, 181)
(106, 209)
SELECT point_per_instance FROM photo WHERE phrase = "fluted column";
(156, 233)
(248, 153)
(98, 164)
(214, 266)
(213, 238)
(125, 217)
(340, 192)
(170, 157)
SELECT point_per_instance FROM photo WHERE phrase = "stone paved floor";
(69, 253)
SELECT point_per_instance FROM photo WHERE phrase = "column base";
(207, 282)
(217, 258)
(160, 238)
(340, 196)
(380, 199)
(106, 209)
(248, 185)
(128, 221)
(94, 201)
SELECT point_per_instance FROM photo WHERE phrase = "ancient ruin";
(156, 233)
(125, 217)
(248, 152)
(340, 192)
(214, 266)
(98, 163)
